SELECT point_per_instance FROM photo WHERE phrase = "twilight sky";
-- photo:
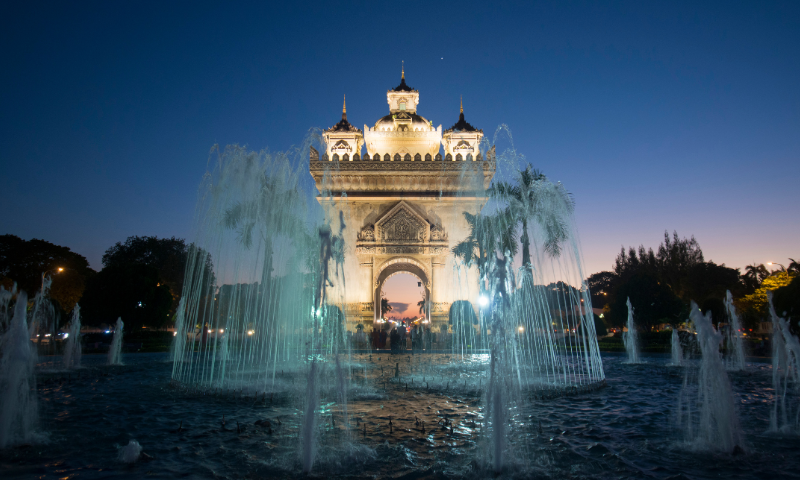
(655, 115)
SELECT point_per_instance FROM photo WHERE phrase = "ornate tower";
(403, 135)
(403, 204)
(462, 140)
(343, 140)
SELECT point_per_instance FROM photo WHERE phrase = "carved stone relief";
(438, 234)
(403, 226)
(367, 234)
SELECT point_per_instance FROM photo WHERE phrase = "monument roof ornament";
(461, 125)
(403, 87)
(344, 125)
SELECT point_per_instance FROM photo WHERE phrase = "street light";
(773, 263)
(483, 300)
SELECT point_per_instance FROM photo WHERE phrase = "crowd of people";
(400, 338)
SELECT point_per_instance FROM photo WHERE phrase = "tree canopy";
(24, 262)
(166, 255)
(754, 307)
(131, 291)
(667, 280)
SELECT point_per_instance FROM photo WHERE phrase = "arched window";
(396, 157)
(335, 157)
(356, 157)
(418, 158)
(346, 157)
(449, 157)
(402, 106)
(438, 157)
(407, 158)
(469, 157)
(459, 157)
(387, 158)
(427, 157)
(366, 157)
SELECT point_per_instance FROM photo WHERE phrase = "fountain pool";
(626, 429)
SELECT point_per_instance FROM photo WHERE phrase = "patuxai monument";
(402, 202)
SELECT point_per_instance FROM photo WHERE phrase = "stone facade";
(402, 203)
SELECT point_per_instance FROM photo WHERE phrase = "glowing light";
(250, 332)
(221, 330)
(483, 300)
(601, 315)
(60, 269)
(66, 335)
(108, 331)
(174, 334)
(46, 334)
(521, 329)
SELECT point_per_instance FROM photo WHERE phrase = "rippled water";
(625, 430)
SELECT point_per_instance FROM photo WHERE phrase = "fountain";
(785, 415)
(677, 351)
(72, 349)
(5, 300)
(631, 338)
(130, 453)
(19, 415)
(115, 350)
(735, 360)
(268, 317)
(717, 424)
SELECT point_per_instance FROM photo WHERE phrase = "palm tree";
(794, 266)
(246, 216)
(756, 274)
(536, 199)
(488, 236)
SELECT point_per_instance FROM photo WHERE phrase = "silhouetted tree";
(131, 291)
(24, 262)
(653, 302)
(786, 301)
(753, 276)
(601, 285)
(168, 256)
(462, 317)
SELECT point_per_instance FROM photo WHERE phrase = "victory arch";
(402, 203)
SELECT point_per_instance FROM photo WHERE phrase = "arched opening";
(404, 284)
(405, 295)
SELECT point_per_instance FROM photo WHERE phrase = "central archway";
(393, 267)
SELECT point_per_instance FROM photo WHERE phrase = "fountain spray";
(631, 338)
(72, 349)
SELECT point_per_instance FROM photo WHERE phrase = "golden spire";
(402, 70)
(344, 105)
(462, 103)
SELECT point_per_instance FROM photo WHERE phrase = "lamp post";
(774, 263)
(54, 269)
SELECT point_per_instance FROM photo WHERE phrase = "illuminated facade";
(402, 202)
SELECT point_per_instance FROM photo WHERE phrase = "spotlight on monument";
(483, 300)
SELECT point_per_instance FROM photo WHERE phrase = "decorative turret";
(402, 98)
(343, 140)
(462, 140)
(403, 134)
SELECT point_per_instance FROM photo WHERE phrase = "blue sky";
(656, 115)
